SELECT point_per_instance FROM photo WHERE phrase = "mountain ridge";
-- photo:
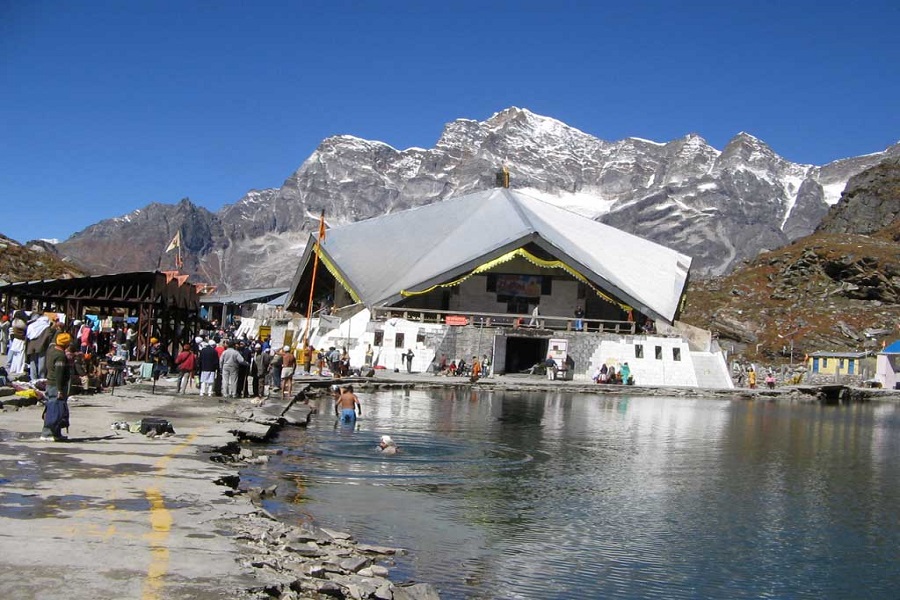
(721, 207)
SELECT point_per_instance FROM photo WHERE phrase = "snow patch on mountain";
(586, 204)
(833, 191)
(792, 189)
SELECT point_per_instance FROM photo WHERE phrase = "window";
(491, 282)
(676, 354)
(546, 286)
(639, 351)
(379, 338)
(519, 306)
(840, 363)
(659, 353)
(398, 340)
(420, 337)
(824, 362)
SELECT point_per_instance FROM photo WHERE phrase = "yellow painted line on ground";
(161, 525)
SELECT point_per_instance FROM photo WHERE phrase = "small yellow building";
(836, 363)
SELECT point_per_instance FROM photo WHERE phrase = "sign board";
(558, 349)
(456, 320)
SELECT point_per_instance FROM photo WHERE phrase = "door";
(498, 360)
(815, 365)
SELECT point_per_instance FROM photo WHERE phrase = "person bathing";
(387, 445)
(347, 404)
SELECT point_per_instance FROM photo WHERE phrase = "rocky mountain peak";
(719, 207)
(745, 150)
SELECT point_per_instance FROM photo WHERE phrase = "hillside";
(838, 289)
(32, 261)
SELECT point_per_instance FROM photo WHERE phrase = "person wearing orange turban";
(59, 374)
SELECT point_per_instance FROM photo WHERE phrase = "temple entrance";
(522, 353)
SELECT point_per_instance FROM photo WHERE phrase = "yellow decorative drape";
(520, 253)
(337, 275)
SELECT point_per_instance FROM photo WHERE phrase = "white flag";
(175, 243)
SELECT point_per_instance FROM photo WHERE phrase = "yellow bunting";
(520, 253)
(337, 275)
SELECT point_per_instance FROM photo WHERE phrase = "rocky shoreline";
(309, 562)
(306, 561)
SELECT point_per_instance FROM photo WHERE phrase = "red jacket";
(185, 361)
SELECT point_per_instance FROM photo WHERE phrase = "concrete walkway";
(113, 514)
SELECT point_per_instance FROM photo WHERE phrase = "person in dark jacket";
(159, 356)
(259, 368)
(243, 384)
(59, 373)
(209, 366)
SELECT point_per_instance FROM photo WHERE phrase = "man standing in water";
(347, 403)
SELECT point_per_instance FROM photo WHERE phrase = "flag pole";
(312, 283)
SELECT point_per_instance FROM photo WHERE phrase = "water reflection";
(527, 495)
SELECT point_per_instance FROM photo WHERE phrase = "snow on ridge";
(585, 204)
(693, 142)
(49, 240)
(352, 139)
(646, 141)
(542, 124)
(832, 192)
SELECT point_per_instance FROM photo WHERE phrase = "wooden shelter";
(165, 304)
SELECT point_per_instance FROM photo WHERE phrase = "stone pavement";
(113, 514)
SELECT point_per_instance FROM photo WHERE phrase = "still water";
(555, 495)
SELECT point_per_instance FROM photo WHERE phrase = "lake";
(560, 495)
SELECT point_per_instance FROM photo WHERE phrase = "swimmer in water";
(387, 445)
(347, 404)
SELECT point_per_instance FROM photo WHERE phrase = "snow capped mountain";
(718, 206)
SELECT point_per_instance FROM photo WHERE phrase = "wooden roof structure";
(163, 301)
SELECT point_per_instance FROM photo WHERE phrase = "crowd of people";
(26, 338)
(474, 370)
(238, 367)
(217, 361)
(51, 360)
(54, 359)
(609, 375)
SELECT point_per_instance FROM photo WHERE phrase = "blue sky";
(106, 106)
